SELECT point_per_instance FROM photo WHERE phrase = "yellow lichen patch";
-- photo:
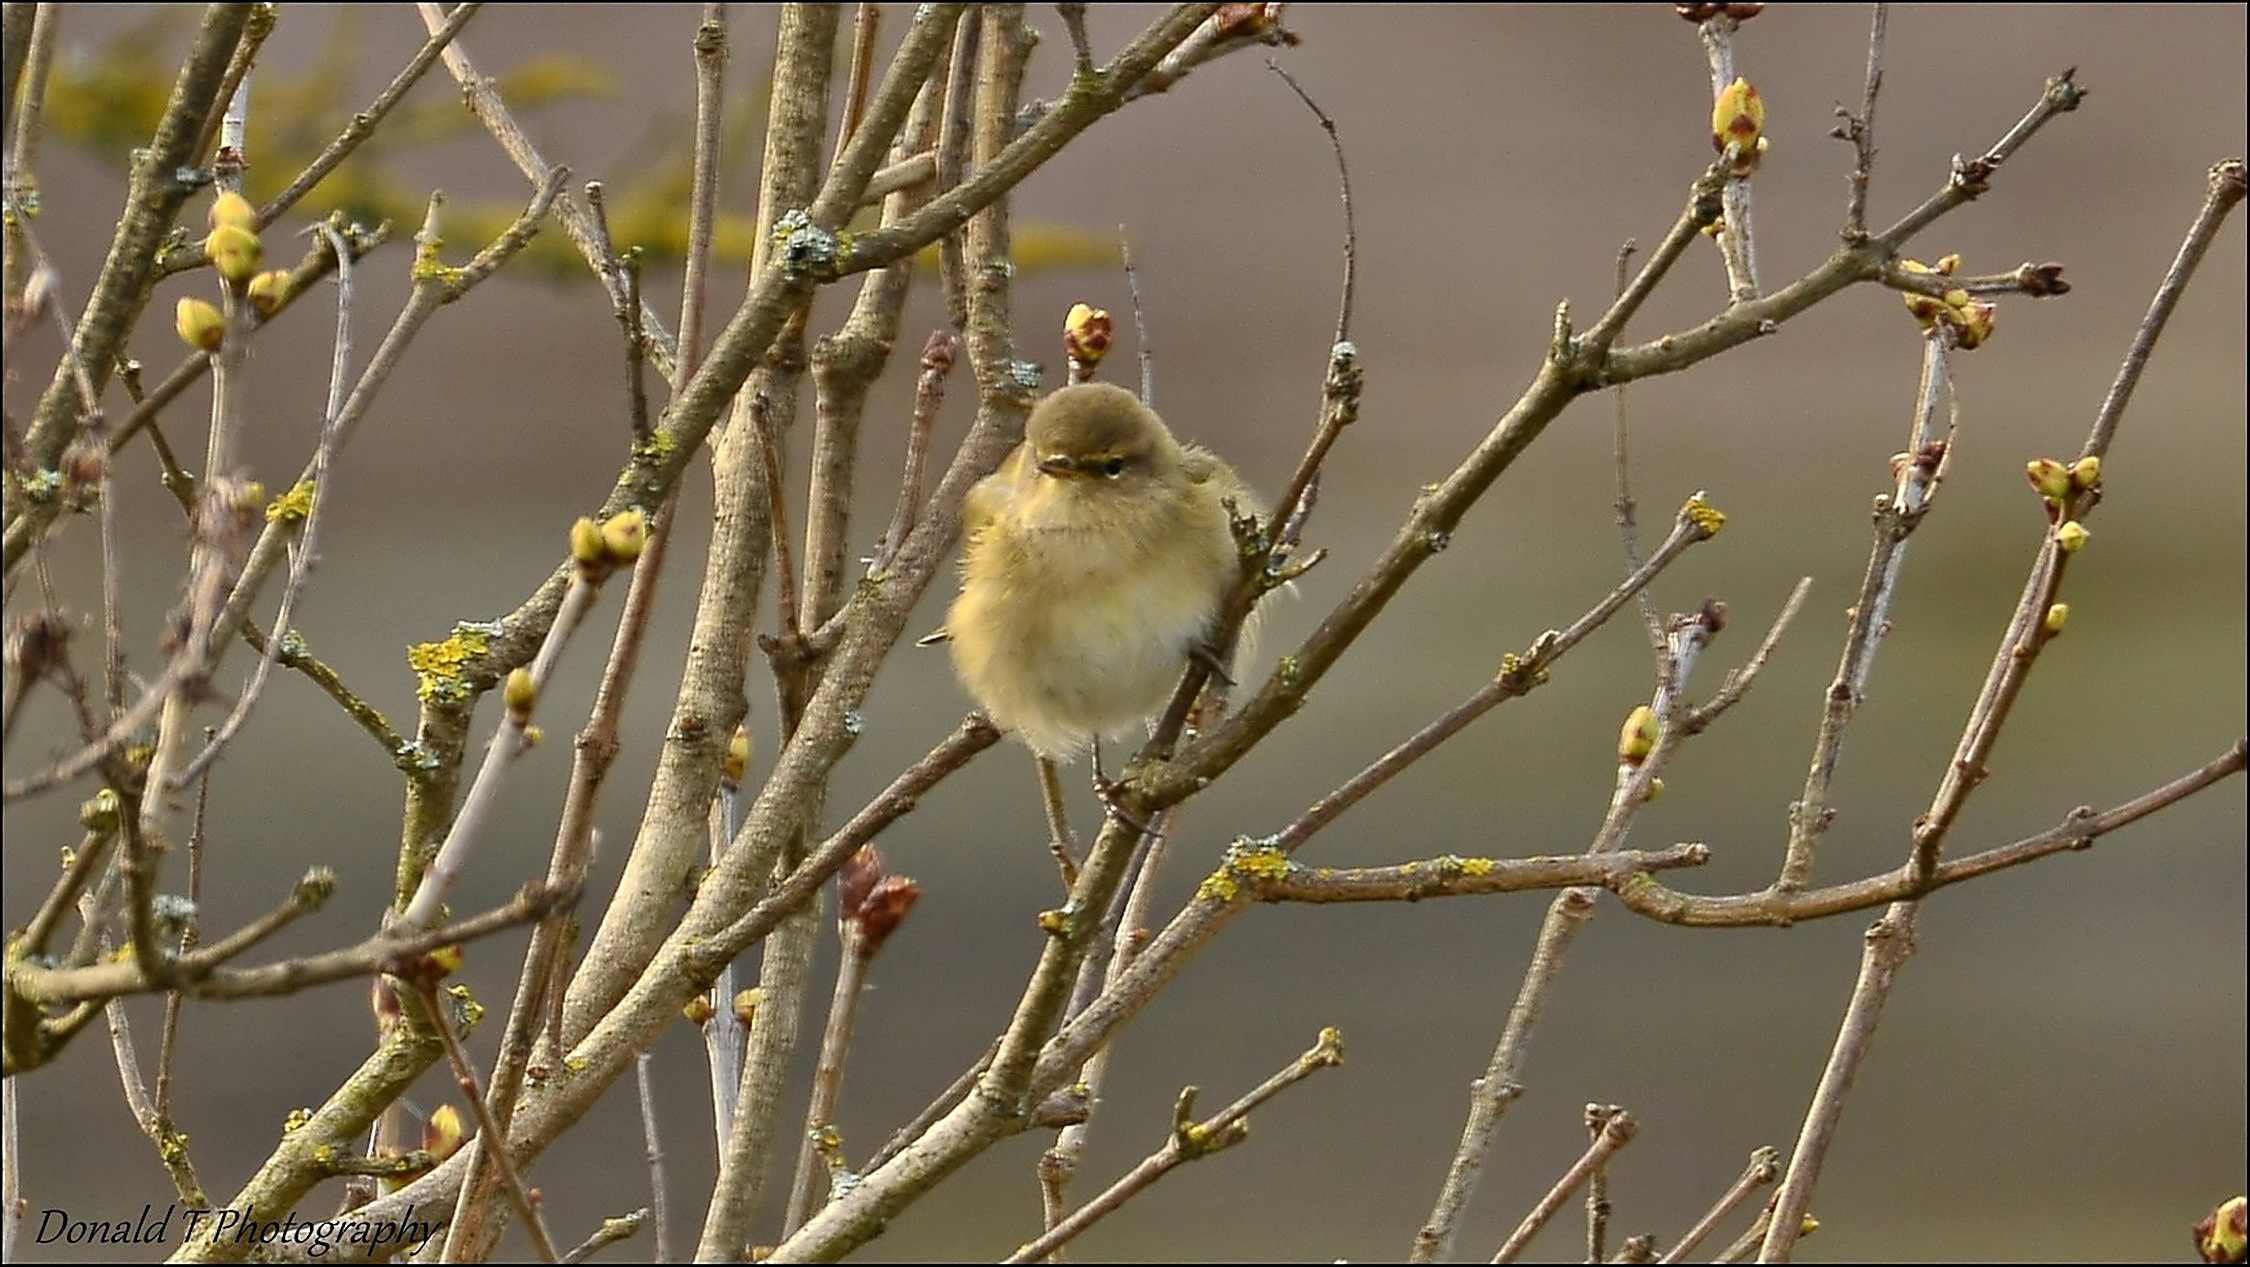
(292, 506)
(441, 666)
(1704, 515)
(295, 1121)
(1219, 886)
(1477, 866)
(1262, 862)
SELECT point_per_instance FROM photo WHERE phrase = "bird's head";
(1094, 436)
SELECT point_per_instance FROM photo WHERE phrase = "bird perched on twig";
(1097, 559)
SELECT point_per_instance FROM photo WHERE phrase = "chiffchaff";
(1097, 559)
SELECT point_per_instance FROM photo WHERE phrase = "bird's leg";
(1207, 655)
(1060, 841)
(1106, 788)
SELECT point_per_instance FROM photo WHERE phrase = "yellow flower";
(2072, 537)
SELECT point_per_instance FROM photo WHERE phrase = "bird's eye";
(1114, 467)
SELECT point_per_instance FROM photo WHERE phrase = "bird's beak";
(1059, 466)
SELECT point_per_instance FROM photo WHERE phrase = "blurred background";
(2060, 1074)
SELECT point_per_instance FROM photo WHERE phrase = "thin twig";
(1737, 241)
(465, 1072)
(609, 1233)
(1597, 1184)
(1144, 348)
(1616, 1132)
(1859, 129)
(308, 538)
(486, 104)
(1190, 1141)
(1896, 517)
(364, 123)
(654, 1153)
(1764, 1168)
(1344, 186)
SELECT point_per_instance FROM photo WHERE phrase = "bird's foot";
(1205, 654)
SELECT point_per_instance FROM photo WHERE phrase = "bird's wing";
(1208, 468)
(990, 495)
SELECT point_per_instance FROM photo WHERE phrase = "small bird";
(1097, 559)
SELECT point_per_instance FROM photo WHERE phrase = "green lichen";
(654, 447)
(293, 506)
(441, 667)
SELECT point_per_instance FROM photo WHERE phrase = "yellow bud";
(1974, 323)
(746, 1004)
(1638, 737)
(1655, 789)
(697, 1009)
(100, 812)
(520, 693)
(586, 542)
(267, 291)
(1737, 118)
(533, 735)
(232, 210)
(1086, 333)
(2086, 471)
(623, 535)
(249, 497)
(446, 960)
(2221, 1236)
(235, 252)
(738, 755)
(2050, 477)
(2072, 537)
(444, 1133)
(1928, 308)
(2057, 616)
(200, 325)
(1957, 298)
